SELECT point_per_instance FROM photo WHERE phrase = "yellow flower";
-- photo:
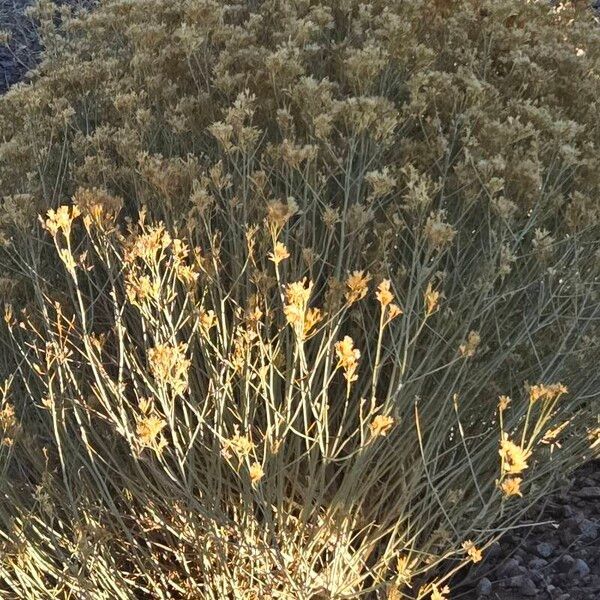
(348, 357)
(207, 320)
(357, 286)
(404, 569)
(432, 299)
(280, 252)
(511, 486)
(296, 310)
(381, 425)
(383, 293)
(241, 445)
(503, 402)
(256, 472)
(439, 594)
(61, 219)
(394, 311)
(474, 554)
(312, 318)
(148, 429)
(514, 458)
(170, 366)
(546, 392)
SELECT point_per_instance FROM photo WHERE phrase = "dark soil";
(20, 54)
(556, 560)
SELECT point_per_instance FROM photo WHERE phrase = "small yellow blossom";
(474, 553)
(503, 402)
(514, 458)
(170, 366)
(148, 429)
(357, 286)
(241, 445)
(61, 219)
(256, 472)
(394, 311)
(348, 357)
(207, 320)
(432, 299)
(312, 318)
(511, 486)
(280, 253)
(383, 293)
(404, 569)
(381, 425)
(546, 392)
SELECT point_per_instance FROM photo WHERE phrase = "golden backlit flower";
(394, 311)
(296, 310)
(404, 568)
(311, 319)
(383, 293)
(256, 472)
(147, 244)
(61, 219)
(474, 554)
(381, 425)
(348, 357)
(357, 286)
(207, 320)
(141, 289)
(503, 402)
(511, 486)
(241, 445)
(432, 299)
(514, 458)
(170, 366)
(439, 594)
(546, 392)
(148, 428)
(280, 252)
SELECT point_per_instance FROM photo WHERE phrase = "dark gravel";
(19, 55)
(558, 560)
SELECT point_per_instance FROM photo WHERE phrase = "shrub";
(295, 260)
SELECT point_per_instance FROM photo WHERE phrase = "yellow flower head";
(280, 253)
(357, 286)
(546, 392)
(432, 300)
(170, 366)
(383, 293)
(503, 402)
(511, 486)
(148, 428)
(61, 219)
(348, 357)
(256, 472)
(514, 458)
(474, 554)
(381, 425)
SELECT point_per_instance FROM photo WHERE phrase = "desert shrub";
(311, 308)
